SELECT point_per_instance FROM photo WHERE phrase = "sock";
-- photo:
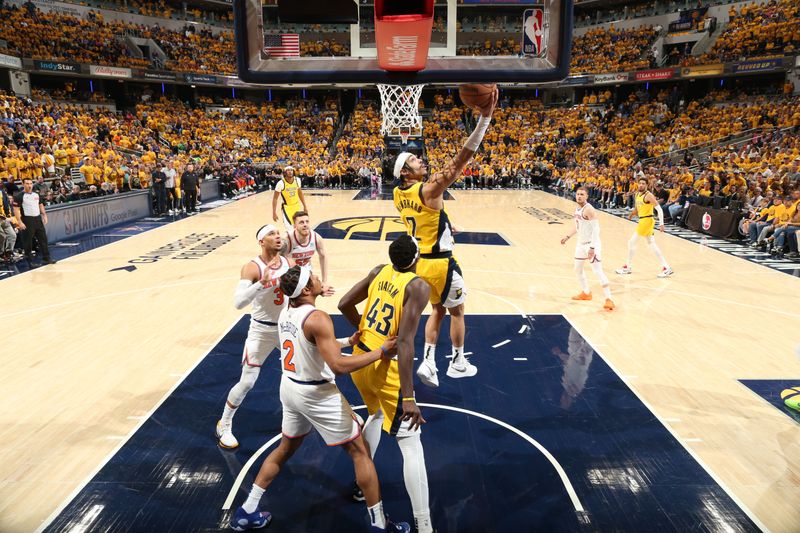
(598, 271)
(416, 479)
(372, 431)
(458, 354)
(376, 516)
(631, 250)
(657, 251)
(430, 353)
(227, 414)
(581, 276)
(253, 498)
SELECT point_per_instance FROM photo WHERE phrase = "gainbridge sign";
(382, 228)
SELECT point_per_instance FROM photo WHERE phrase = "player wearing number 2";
(395, 298)
(259, 286)
(310, 356)
(420, 202)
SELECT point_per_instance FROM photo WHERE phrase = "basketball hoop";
(400, 109)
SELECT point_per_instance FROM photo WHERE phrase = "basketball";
(791, 398)
(476, 95)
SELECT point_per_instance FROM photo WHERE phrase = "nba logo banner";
(533, 42)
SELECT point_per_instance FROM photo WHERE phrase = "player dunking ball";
(288, 191)
(395, 298)
(258, 286)
(646, 202)
(311, 355)
(421, 207)
(588, 248)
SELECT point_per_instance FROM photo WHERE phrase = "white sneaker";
(427, 373)
(225, 436)
(465, 369)
(665, 272)
(624, 270)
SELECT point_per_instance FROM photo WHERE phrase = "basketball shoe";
(391, 527)
(242, 520)
(665, 272)
(624, 270)
(427, 373)
(462, 369)
(225, 436)
(584, 296)
(609, 305)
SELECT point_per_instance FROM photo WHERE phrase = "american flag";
(283, 45)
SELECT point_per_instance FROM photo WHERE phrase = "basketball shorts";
(446, 280)
(321, 407)
(379, 386)
(288, 212)
(582, 251)
(645, 226)
(261, 340)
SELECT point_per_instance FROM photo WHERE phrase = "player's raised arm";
(416, 298)
(357, 294)
(651, 199)
(437, 184)
(249, 285)
(318, 328)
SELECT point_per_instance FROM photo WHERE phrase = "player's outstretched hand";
(274, 217)
(390, 347)
(412, 413)
(564, 240)
(661, 228)
(487, 110)
(327, 290)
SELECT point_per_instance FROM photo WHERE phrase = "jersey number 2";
(287, 358)
(385, 322)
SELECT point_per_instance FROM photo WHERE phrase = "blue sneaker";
(391, 527)
(242, 520)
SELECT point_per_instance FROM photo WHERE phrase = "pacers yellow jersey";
(643, 209)
(290, 194)
(384, 307)
(430, 227)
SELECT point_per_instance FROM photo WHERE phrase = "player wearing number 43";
(588, 248)
(310, 356)
(419, 200)
(395, 298)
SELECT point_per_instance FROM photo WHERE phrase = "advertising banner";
(657, 74)
(71, 220)
(10, 61)
(577, 80)
(703, 70)
(110, 72)
(56, 66)
(758, 65)
(156, 76)
(619, 77)
(200, 78)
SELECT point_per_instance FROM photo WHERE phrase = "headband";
(264, 231)
(400, 161)
(305, 274)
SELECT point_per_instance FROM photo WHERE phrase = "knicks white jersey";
(268, 303)
(582, 226)
(302, 253)
(300, 359)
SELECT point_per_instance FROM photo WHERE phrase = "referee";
(29, 210)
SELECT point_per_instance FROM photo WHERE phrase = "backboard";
(534, 38)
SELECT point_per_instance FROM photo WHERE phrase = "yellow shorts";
(288, 214)
(379, 386)
(445, 278)
(646, 226)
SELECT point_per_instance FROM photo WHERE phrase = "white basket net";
(400, 110)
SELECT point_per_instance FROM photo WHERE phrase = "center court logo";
(706, 221)
(382, 228)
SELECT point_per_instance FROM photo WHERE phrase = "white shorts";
(261, 340)
(582, 251)
(321, 407)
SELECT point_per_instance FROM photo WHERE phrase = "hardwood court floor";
(89, 350)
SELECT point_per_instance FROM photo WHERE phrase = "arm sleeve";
(595, 233)
(474, 140)
(660, 214)
(246, 290)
